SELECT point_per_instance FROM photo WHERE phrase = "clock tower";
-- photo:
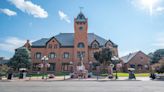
(81, 37)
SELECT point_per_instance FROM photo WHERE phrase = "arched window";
(38, 55)
(80, 45)
(52, 55)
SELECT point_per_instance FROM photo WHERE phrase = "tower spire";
(81, 8)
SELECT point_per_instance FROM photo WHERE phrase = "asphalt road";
(82, 86)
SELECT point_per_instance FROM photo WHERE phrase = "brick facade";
(138, 60)
(61, 55)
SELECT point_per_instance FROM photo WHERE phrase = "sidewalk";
(67, 78)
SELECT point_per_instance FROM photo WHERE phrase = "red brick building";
(66, 47)
(137, 60)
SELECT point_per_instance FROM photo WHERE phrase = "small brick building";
(66, 47)
(137, 60)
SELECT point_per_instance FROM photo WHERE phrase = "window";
(146, 67)
(55, 46)
(65, 66)
(66, 55)
(52, 55)
(95, 46)
(141, 57)
(139, 67)
(80, 45)
(108, 44)
(132, 66)
(81, 54)
(38, 55)
(80, 28)
(52, 67)
(50, 46)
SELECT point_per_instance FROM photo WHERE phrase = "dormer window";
(95, 44)
(108, 44)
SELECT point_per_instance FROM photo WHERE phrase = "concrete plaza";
(82, 86)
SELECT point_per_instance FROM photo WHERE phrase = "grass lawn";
(126, 74)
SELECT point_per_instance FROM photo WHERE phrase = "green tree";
(104, 57)
(21, 59)
(156, 56)
(3, 70)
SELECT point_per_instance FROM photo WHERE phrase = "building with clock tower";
(65, 48)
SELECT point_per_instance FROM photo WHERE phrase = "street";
(82, 86)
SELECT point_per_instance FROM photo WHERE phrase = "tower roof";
(80, 17)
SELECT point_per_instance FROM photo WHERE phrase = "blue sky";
(132, 24)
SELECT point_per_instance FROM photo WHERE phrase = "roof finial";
(81, 9)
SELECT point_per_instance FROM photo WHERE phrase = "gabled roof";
(128, 57)
(40, 42)
(67, 39)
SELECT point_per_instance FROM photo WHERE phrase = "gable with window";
(53, 43)
(108, 44)
(95, 44)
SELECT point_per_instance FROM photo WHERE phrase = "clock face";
(80, 28)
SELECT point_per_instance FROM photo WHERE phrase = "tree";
(104, 57)
(156, 56)
(3, 70)
(21, 59)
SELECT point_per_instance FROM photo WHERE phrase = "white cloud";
(8, 12)
(64, 16)
(160, 9)
(152, 6)
(30, 8)
(11, 43)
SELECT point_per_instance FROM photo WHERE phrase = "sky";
(132, 24)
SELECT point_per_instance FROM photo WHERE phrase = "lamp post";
(90, 66)
(115, 59)
(71, 63)
(44, 64)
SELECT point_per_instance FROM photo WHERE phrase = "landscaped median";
(127, 75)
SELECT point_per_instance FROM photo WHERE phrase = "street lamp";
(71, 63)
(115, 59)
(44, 64)
(90, 66)
(90, 69)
